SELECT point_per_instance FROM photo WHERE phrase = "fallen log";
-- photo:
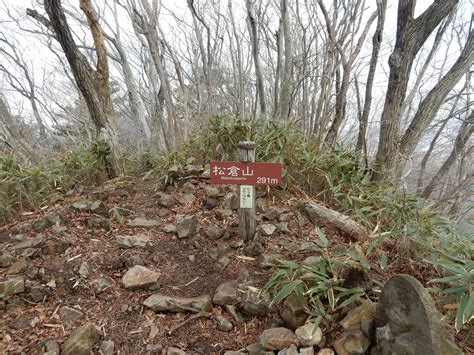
(320, 214)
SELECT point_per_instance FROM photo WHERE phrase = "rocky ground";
(125, 269)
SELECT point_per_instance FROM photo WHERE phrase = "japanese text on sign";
(240, 173)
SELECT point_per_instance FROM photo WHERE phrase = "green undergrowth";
(24, 185)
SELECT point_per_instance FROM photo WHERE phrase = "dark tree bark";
(412, 33)
(93, 84)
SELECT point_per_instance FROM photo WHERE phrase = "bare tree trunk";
(411, 34)
(285, 95)
(376, 42)
(252, 23)
(94, 85)
(465, 132)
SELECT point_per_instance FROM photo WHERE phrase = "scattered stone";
(224, 261)
(308, 334)
(70, 315)
(134, 260)
(210, 203)
(407, 321)
(101, 284)
(277, 338)
(307, 351)
(219, 250)
(17, 267)
(191, 258)
(12, 286)
(140, 277)
(226, 293)
(292, 312)
(266, 261)
(288, 245)
(154, 348)
(161, 303)
(56, 247)
(312, 260)
(292, 350)
(254, 303)
(186, 199)
(286, 217)
(232, 352)
(45, 222)
(267, 229)
(82, 340)
(154, 330)
(231, 201)
(163, 212)
(85, 270)
(169, 228)
(52, 347)
(107, 347)
(254, 349)
(237, 243)
(131, 241)
(100, 208)
(175, 351)
(214, 232)
(59, 229)
(142, 222)
(193, 170)
(167, 200)
(186, 226)
(353, 343)
(274, 323)
(188, 188)
(326, 351)
(32, 272)
(255, 248)
(272, 213)
(30, 243)
(4, 238)
(6, 259)
(22, 322)
(223, 324)
(99, 223)
(361, 317)
(223, 213)
(81, 206)
(212, 191)
(283, 227)
(38, 293)
(232, 311)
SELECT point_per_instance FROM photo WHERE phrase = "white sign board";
(246, 196)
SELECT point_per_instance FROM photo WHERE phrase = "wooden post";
(246, 153)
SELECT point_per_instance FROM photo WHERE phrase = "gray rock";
(232, 311)
(163, 212)
(12, 286)
(353, 342)
(267, 229)
(59, 229)
(70, 315)
(255, 248)
(99, 207)
(188, 188)
(131, 241)
(161, 303)
(292, 312)
(175, 351)
(361, 317)
(81, 206)
(56, 246)
(45, 222)
(6, 259)
(214, 232)
(154, 348)
(325, 351)
(38, 293)
(212, 191)
(133, 260)
(226, 293)
(307, 351)
(82, 340)
(224, 261)
(101, 284)
(99, 223)
(169, 228)
(286, 217)
(186, 199)
(142, 222)
(140, 277)
(272, 213)
(22, 322)
(254, 303)
(167, 200)
(292, 350)
(17, 267)
(186, 226)
(308, 334)
(223, 324)
(254, 349)
(223, 213)
(407, 321)
(85, 270)
(210, 203)
(232, 352)
(52, 347)
(4, 238)
(31, 243)
(32, 272)
(237, 243)
(277, 338)
(283, 227)
(231, 201)
(219, 250)
(266, 261)
(107, 347)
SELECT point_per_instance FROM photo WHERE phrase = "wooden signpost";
(247, 174)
